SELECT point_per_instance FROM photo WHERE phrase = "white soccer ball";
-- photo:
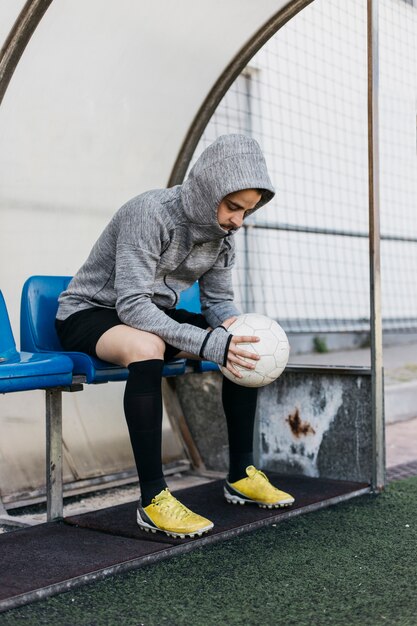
(273, 348)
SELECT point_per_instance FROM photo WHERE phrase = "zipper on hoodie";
(171, 289)
(226, 256)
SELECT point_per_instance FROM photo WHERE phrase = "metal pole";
(54, 493)
(231, 72)
(318, 230)
(247, 304)
(18, 38)
(378, 460)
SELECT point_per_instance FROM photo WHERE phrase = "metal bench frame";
(28, 370)
(38, 309)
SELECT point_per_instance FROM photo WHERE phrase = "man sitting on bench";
(120, 307)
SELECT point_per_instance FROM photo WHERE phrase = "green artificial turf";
(352, 564)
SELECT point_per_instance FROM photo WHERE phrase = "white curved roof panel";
(105, 93)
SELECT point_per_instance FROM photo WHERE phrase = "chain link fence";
(304, 258)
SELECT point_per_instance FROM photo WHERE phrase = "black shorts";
(81, 331)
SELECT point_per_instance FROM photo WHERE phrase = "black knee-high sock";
(143, 411)
(239, 405)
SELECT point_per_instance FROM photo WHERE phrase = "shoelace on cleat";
(267, 484)
(171, 505)
(260, 474)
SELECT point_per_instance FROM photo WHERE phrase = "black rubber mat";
(42, 560)
(208, 500)
(39, 556)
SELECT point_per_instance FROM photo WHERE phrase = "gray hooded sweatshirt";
(160, 242)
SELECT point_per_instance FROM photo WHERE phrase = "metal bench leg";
(54, 494)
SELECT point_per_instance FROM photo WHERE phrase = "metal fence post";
(378, 461)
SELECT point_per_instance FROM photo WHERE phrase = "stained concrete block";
(311, 421)
(200, 399)
(316, 424)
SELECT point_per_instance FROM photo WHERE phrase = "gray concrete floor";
(401, 442)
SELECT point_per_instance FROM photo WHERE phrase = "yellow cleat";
(166, 514)
(256, 489)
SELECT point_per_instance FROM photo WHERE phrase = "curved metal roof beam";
(231, 72)
(18, 38)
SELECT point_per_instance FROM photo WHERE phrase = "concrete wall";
(311, 421)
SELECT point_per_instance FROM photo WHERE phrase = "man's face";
(232, 208)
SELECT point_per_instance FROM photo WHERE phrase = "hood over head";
(229, 164)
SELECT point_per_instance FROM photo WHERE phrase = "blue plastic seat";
(21, 371)
(37, 327)
(190, 299)
(39, 305)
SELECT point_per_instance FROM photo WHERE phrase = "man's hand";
(237, 355)
(229, 321)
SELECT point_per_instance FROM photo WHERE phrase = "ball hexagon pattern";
(273, 348)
